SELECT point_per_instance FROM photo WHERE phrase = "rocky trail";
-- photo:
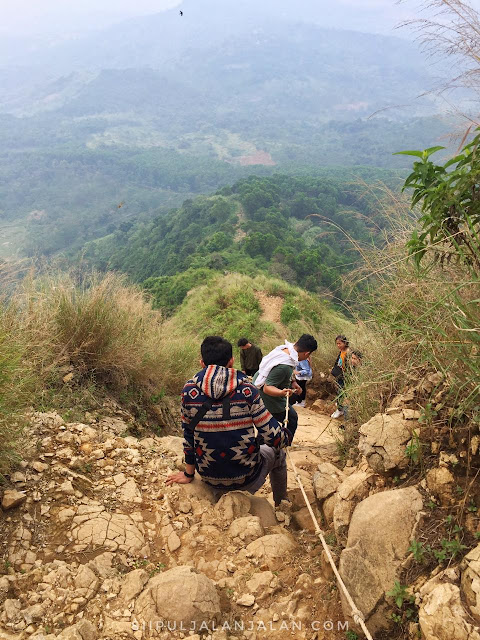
(94, 545)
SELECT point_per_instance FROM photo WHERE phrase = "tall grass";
(100, 327)
(426, 320)
(16, 384)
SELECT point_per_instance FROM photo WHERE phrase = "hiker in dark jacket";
(250, 356)
(220, 412)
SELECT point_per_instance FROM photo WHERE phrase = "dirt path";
(271, 310)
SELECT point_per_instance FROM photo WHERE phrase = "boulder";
(353, 489)
(383, 440)
(272, 549)
(326, 480)
(380, 532)
(232, 505)
(197, 489)
(263, 509)
(247, 528)
(180, 594)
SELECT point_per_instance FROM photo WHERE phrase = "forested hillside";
(295, 228)
(101, 131)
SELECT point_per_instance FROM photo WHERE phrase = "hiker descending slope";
(338, 372)
(274, 378)
(250, 356)
(220, 411)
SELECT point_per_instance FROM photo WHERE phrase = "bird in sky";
(181, 13)
(120, 205)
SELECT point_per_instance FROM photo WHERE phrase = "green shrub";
(290, 312)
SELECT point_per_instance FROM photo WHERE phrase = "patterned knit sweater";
(224, 445)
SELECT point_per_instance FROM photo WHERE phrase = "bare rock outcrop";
(442, 615)
(471, 581)
(383, 440)
(327, 480)
(371, 563)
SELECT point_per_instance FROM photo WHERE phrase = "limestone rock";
(171, 538)
(86, 579)
(326, 480)
(4, 588)
(442, 615)
(441, 483)
(39, 467)
(232, 505)
(262, 584)
(383, 440)
(471, 581)
(179, 594)
(272, 549)
(113, 531)
(328, 508)
(130, 492)
(303, 520)
(370, 563)
(12, 608)
(263, 509)
(247, 528)
(247, 600)
(353, 489)
(34, 613)
(133, 584)
(197, 489)
(12, 498)
(83, 630)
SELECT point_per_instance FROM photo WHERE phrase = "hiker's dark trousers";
(274, 464)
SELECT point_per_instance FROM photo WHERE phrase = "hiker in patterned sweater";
(220, 412)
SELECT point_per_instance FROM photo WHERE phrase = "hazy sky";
(29, 17)
(20, 17)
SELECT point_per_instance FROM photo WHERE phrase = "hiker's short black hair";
(216, 350)
(306, 342)
(356, 352)
(242, 342)
(342, 338)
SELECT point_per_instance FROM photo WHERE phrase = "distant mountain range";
(162, 107)
(258, 54)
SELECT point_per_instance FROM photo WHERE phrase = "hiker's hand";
(178, 478)
(287, 392)
(297, 388)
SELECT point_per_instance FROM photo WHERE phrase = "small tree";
(449, 197)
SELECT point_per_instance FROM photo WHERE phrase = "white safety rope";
(357, 615)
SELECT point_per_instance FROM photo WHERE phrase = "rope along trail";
(357, 615)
